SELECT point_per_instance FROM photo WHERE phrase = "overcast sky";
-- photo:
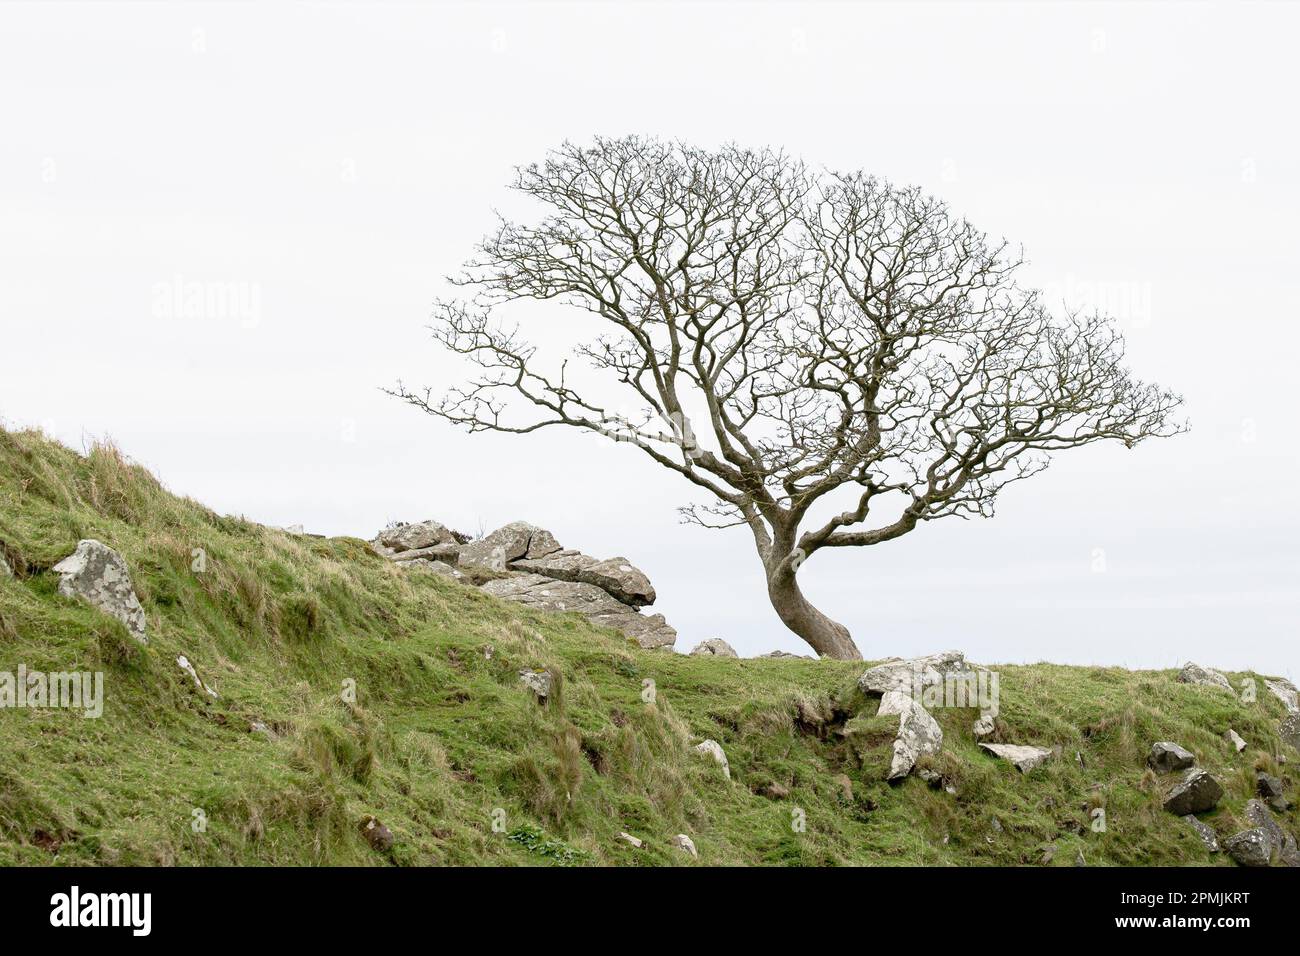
(330, 163)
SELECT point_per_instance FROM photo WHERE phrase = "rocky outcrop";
(1166, 757)
(529, 566)
(919, 734)
(711, 748)
(714, 647)
(1024, 758)
(1196, 674)
(1196, 792)
(98, 574)
(904, 676)
(1286, 692)
(1265, 842)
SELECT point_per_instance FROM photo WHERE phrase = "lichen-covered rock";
(983, 726)
(1196, 792)
(508, 543)
(1281, 843)
(1250, 847)
(1204, 833)
(714, 647)
(1022, 756)
(711, 748)
(1271, 790)
(919, 734)
(1286, 692)
(1234, 740)
(447, 553)
(686, 844)
(401, 536)
(1166, 757)
(616, 576)
(533, 590)
(539, 682)
(1193, 673)
(98, 574)
(904, 675)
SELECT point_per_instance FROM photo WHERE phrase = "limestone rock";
(506, 544)
(1196, 674)
(1234, 738)
(401, 536)
(685, 843)
(711, 748)
(1286, 692)
(714, 647)
(919, 734)
(98, 574)
(616, 576)
(903, 675)
(538, 681)
(1195, 793)
(1204, 832)
(1166, 757)
(545, 594)
(1025, 758)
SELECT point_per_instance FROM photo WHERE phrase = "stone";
(539, 682)
(435, 567)
(535, 591)
(1023, 757)
(377, 835)
(188, 668)
(1282, 845)
(714, 647)
(902, 675)
(1196, 674)
(401, 536)
(631, 840)
(1286, 692)
(294, 529)
(919, 734)
(711, 748)
(781, 655)
(685, 843)
(1270, 788)
(98, 574)
(1289, 731)
(1196, 792)
(448, 553)
(1166, 757)
(1250, 847)
(615, 576)
(1204, 832)
(5, 570)
(1234, 738)
(984, 726)
(508, 543)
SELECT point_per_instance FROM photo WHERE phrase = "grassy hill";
(447, 749)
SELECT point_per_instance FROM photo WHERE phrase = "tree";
(786, 339)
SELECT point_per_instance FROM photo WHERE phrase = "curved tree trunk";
(825, 636)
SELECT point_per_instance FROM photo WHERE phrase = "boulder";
(447, 553)
(435, 567)
(1196, 674)
(1250, 847)
(1204, 832)
(1234, 739)
(714, 647)
(984, 726)
(918, 733)
(401, 536)
(98, 574)
(539, 682)
(1270, 789)
(1286, 692)
(1281, 844)
(506, 544)
(1166, 757)
(1196, 792)
(1025, 758)
(711, 748)
(904, 675)
(545, 594)
(685, 843)
(615, 576)
(781, 655)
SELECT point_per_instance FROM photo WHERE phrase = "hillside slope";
(448, 750)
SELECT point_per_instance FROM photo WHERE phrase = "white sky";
(334, 161)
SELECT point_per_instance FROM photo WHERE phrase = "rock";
(918, 733)
(5, 570)
(261, 727)
(1206, 833)
(541, 544)
(448, 553)
(1025, 758)
(787, 654)
(506, 544)
(188, 668)
(711, 748)
(1286, 692)
(401, 536)
(683, 842)
(1271, 789)
(294, 529)
(714, 647)
(533, 590)
(984, 726)
(1196, 674)
(904, 675)
(435, 567)
(1250, 847)
(1289, 731)
(630, 839)
(615, 576)
(538, 681)
(1195, 793)
(1234, 738)
(377, 835)
(98, 574)
(1049, 854)
(1166, 757)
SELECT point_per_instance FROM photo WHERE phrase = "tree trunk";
(825, 636)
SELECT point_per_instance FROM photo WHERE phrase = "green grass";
(446, 748)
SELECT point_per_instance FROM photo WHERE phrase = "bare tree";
(786, 339)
